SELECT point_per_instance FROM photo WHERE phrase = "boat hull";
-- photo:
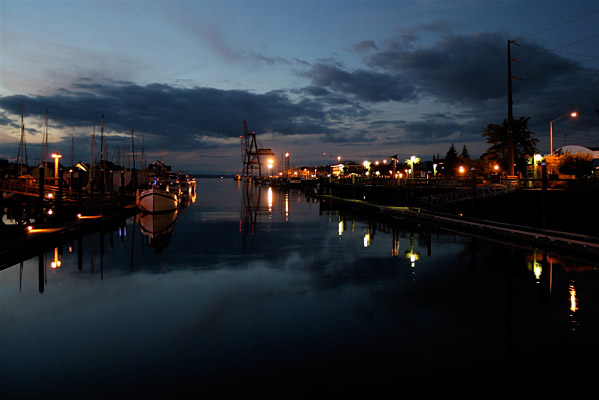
(157, 201)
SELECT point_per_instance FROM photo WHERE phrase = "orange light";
(29, 228)
(574, 114)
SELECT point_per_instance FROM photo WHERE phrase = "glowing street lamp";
(56, 157)
(366, 165)
(270, 164)
(412, 160)
(572, 114)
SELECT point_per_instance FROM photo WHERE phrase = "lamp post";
(412, 160)
(56, 157)
(572, 114)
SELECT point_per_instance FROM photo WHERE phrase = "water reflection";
(286, 289)
(158, 228)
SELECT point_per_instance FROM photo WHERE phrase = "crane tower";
(252, 165)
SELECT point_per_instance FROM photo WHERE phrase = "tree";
(465, 154)
(524, 142)
(579, 164)
(451, 161)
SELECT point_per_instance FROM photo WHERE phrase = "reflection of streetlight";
(56, 156)
(56, 263)
(412, 255)
(573, 115)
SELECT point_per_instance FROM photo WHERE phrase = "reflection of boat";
(158, 228)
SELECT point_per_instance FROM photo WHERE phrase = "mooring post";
(473, 173)
(544, 194)
(60, 182)
(42, 179)
(40, 272)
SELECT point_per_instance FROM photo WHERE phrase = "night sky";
(355, 79)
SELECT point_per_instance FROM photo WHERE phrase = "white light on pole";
(572, 114)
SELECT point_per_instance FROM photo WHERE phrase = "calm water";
(271, 292)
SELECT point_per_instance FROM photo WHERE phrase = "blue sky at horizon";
(356, 79)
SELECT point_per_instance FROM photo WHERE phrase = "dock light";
(461, 169)
(29, 228)
(50, 195)
(572, 114)
(50, 212)
(56, 157)
(496, 167)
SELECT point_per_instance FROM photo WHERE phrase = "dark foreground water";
(269, 292)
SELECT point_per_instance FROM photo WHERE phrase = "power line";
(578, 41)
(552, 81)
(569, 66)
(563, 23)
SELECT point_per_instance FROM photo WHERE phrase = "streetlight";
(572, 114)
(412, 160)
(56, 156)
(270, 163)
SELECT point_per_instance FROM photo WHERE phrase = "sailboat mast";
(132, 147)
(22, 149)
(102, 143)
(45, 145)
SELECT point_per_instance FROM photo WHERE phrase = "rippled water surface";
(266, 291)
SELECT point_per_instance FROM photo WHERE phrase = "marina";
(258, 290)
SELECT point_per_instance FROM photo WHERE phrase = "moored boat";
(155, 200)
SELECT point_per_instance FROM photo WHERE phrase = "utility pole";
(510, 115)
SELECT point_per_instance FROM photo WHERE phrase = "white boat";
(154, 200)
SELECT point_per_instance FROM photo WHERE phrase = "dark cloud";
(365, 46)
(365, 85)
(175, 113)
(467, 73)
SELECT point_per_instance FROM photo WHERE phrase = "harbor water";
(258, 290)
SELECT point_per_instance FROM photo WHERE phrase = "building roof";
(574, 149)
